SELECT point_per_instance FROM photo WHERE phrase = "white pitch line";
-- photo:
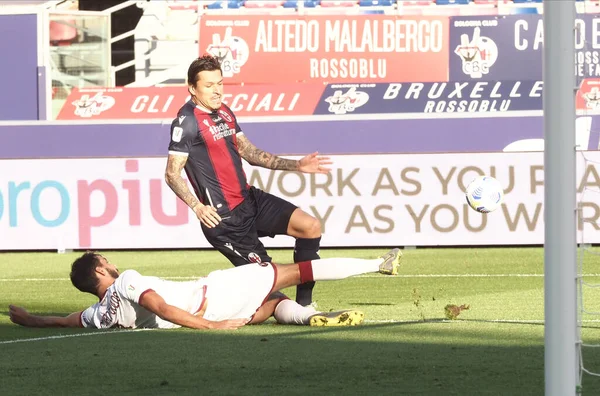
(70, 336)
(390, 321)
(523, 321)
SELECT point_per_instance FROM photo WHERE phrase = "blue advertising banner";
(439, 97)
(368, 135)
(18, 67)
(509, 47)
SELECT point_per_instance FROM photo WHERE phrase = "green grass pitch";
(406, 346)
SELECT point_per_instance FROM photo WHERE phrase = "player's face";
(208, 91)
(110, 268)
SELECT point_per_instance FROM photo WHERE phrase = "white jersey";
(119, 307)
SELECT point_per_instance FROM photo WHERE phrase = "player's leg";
(268, 308)
(277, 216)
(290, 312)
(335, 269)
(307, 231)
(245, 291)
(236, 236)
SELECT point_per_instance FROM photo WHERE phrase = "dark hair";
(204, 63)
(83, 275)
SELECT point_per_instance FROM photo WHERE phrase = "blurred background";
(412, 99)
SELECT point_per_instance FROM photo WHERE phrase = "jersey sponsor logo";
(478, 54)
(87, 106)
(220, 131)
(177, 134)
(231, 51)
(342, 103)
(109, 317)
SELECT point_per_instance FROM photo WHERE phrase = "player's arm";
(21, 317)
(311, 163)
(154, 303)
(179, 148)
(205, 213)
(173, 178)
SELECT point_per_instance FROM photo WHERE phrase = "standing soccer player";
(208, 143)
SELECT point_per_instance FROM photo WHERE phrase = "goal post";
(561, 364)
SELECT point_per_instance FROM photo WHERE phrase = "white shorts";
(237, 293)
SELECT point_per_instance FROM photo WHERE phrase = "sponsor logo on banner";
(588, 96)
(346, 102)
(164, 102)
(478, 53)
(450, 97)
(88, 106)
(515, 43)
(439, 97)
(367, 200)
(327, 48)
(231, 51)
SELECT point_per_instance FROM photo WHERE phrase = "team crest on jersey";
(254, 258)
(225, 115)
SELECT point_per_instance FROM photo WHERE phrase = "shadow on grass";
(425, 358)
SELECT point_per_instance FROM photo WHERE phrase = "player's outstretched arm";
(154, 303)
(312, 163)
(21, 317)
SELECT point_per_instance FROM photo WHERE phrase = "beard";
(113, 273)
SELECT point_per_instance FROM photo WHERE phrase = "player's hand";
(18, 315)
(313, 163)
(207, 215)
(230, 324)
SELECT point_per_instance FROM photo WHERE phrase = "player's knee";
(313, 229)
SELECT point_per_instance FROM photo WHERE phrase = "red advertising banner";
(327, 48)
(164, 102)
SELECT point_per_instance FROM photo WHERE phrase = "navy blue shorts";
(261, 214)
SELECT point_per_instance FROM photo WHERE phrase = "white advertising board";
(367, 200)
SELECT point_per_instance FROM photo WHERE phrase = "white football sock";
(340, 268)
(290, 312)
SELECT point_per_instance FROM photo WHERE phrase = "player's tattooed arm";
(311, 163)
(175, 164)
(256, 156)
(205, 213)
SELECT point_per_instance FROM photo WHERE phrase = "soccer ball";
(484, 194)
